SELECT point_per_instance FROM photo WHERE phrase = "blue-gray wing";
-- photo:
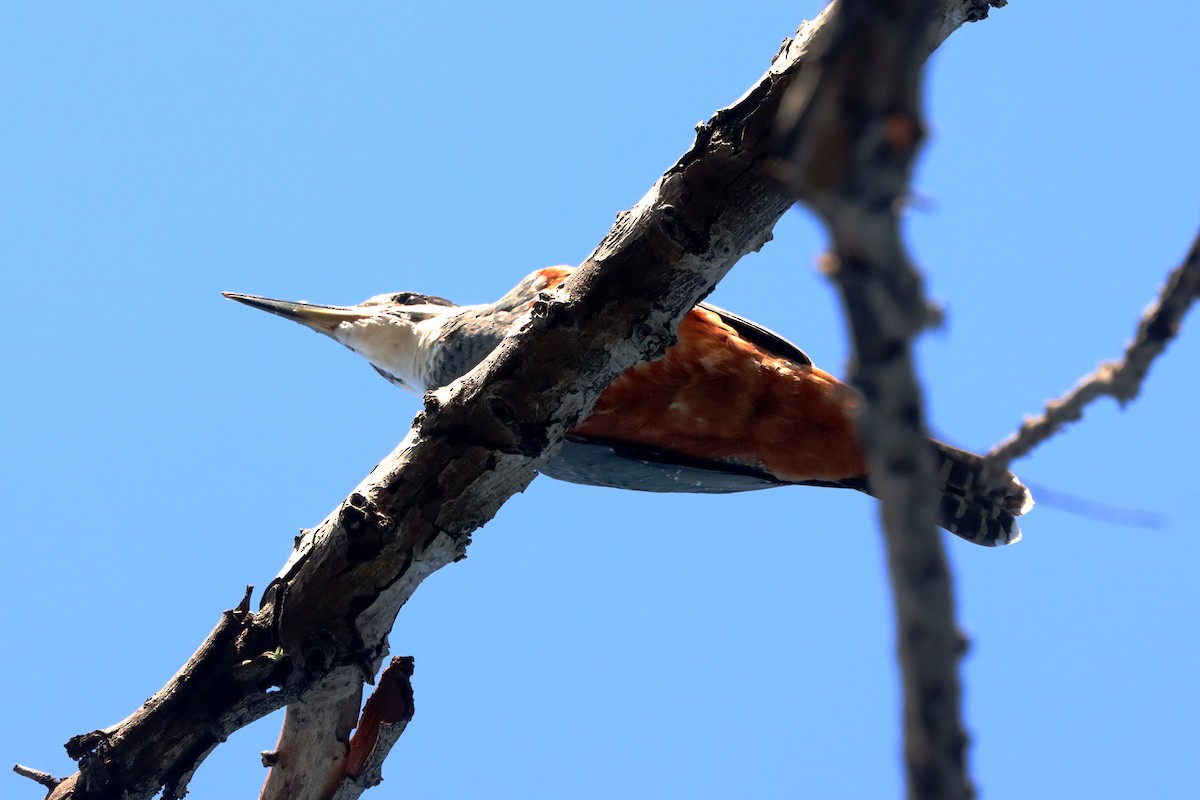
(644, 469)
(620, 465)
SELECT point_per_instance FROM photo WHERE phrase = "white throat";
(400, 347)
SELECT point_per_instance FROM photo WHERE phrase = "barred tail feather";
(967, 508)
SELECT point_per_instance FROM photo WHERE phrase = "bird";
(729, 407)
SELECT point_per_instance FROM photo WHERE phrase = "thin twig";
(1121, 379)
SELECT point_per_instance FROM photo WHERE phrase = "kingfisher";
(730, 407)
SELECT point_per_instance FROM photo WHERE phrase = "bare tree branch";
(1121, 379)
(322, 624)
(851, 131)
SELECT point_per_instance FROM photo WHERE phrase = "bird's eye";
(415, 299)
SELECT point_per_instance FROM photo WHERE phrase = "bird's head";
(396, 332)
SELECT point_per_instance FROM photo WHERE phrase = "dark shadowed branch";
(850, 133)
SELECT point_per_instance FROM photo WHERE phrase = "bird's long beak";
(322, 319)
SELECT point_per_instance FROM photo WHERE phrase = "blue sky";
(162, 445)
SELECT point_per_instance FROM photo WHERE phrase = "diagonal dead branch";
(322, 624)
(1121, 379)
